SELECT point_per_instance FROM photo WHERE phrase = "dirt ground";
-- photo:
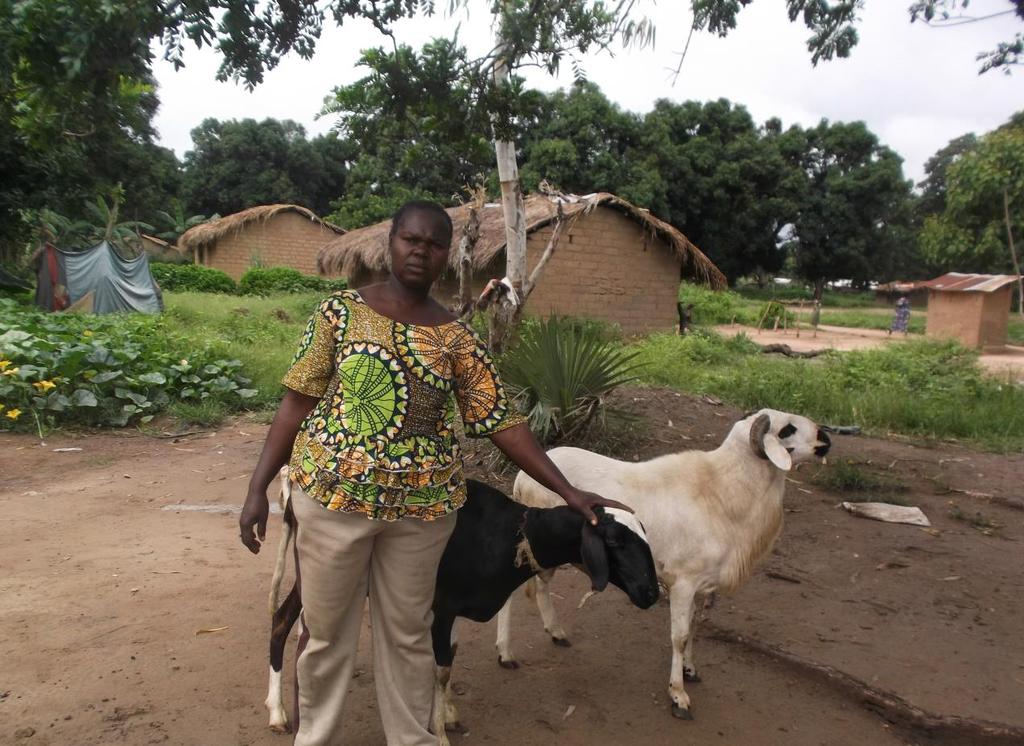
(1008, 362)
(109, 572)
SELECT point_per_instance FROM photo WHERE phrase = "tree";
(418, 128)
(854, 197)
(984, 213)
(76, 99)
(933, 187)
(237, 164)
(722, 181)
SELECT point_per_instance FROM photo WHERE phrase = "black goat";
(496, 546)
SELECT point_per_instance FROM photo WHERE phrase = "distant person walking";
(901, 321)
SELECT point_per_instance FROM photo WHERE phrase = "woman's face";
(419, 249)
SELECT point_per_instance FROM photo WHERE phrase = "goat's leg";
(681, 611)
(437, 719)
(443, 640)
(547, 609)
(284, 619)
(503, 641)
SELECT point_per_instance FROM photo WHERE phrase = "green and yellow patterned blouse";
(381, 441)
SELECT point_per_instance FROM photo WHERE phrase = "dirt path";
(106, 577)
(1009, 362)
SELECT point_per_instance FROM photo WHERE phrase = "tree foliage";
(852, 207)
(237, 164)
(970, 235)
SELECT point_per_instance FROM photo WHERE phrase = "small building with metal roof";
(973, 309)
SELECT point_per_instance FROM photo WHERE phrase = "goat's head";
(783, 438)
(616, 550)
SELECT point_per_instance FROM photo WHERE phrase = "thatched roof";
(365, 249)
(207, 234)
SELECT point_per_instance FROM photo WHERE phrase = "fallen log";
(941, 729)
(788, 351)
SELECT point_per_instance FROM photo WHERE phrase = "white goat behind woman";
(709, 517)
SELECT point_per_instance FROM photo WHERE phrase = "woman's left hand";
(584, 502)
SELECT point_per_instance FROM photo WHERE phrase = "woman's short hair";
(420, 205)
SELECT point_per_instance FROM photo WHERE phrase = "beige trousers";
(343, 558)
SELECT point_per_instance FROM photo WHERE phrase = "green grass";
(829, 299)
(868, 318)
(921, 388)
(866, 485)
(261, 332)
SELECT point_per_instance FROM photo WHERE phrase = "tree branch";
(549, 250)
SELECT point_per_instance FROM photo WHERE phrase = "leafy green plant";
(270, 280)
(59, 369)
(559, 374)
(193, 277)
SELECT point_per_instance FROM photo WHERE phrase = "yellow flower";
(87, 333)
(13, 414)
(183, 361)
(4, 364)
(44, 386)
(1, 407)
(11, 371)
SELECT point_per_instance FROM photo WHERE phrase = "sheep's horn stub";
(757, 432)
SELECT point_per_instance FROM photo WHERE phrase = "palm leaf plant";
(560, 373)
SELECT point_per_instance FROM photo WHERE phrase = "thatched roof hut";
(365, 249)
(270, 235)
(614, 261)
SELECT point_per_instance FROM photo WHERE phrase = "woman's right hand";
(254, 516)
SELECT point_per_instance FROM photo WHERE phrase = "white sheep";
(709, 516)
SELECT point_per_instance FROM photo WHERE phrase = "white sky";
(916, 87)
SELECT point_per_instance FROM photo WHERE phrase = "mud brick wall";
(608, 267)
(975, 319)
(285, 240)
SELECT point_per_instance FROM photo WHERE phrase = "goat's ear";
(595, 557)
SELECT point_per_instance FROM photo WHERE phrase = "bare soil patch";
(104, 590)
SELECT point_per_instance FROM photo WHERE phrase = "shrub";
(58, 369)
(270, 280)
(559, 373)
(194, 277)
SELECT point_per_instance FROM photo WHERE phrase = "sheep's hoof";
(683, 713)
(456, 727)
(281, 728)
(691, 676)
(562, 642)
(510, 664)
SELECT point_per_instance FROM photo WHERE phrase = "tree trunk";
(819, 289)
(503, 316)
(1013, 254)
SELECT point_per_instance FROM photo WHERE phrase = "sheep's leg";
(701, 603)
(503, 641)
(681, 611)
(547, 608)
(284, 619)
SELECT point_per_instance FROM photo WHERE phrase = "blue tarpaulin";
(114, 283)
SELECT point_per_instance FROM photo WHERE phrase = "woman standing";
(367, 425)
(901, 319)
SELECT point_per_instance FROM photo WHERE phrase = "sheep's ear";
(595, 557)
(777, 453)
(767, 446)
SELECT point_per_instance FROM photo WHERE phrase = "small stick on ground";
(788, 351)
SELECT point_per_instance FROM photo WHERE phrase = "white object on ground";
(888, 513)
